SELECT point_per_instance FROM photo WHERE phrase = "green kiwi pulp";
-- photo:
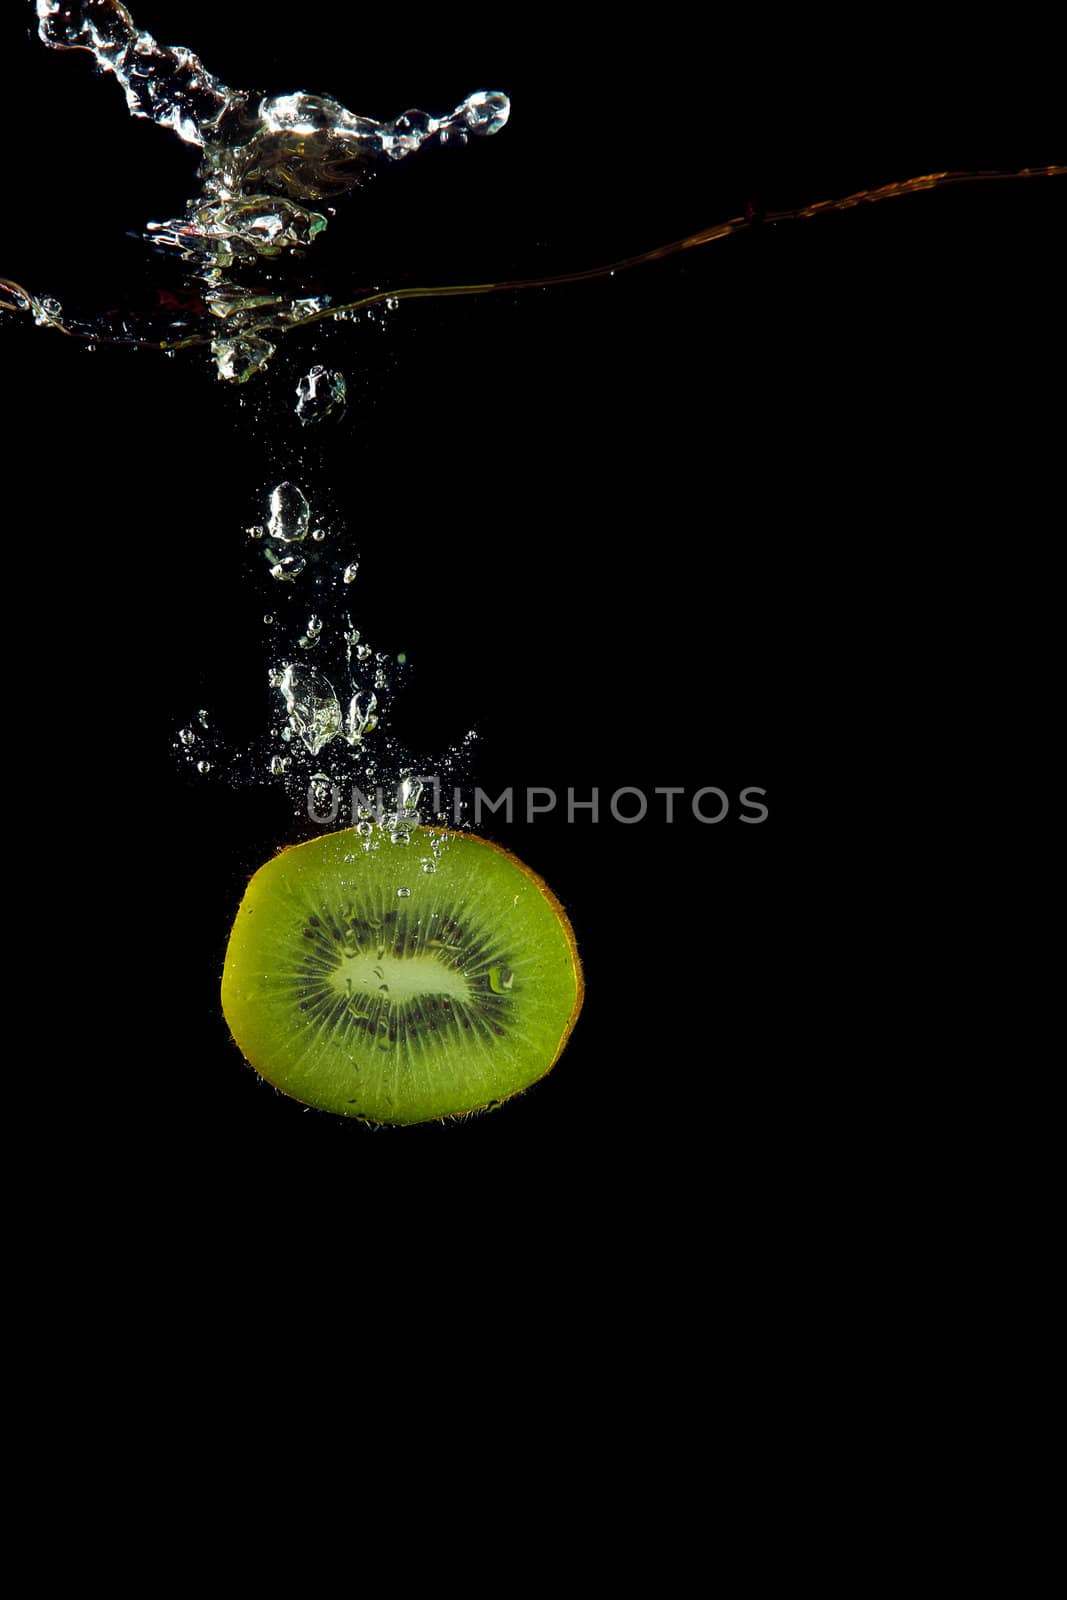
(358, 982)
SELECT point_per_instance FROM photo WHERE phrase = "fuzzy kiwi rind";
(287, 941)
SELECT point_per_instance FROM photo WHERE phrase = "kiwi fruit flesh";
(360, 983)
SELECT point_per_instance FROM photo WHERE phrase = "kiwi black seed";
(400, 983)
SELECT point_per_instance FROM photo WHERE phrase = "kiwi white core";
(398, 978)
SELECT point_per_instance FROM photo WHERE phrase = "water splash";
(246, 354)
(267, 164)
(268, 160)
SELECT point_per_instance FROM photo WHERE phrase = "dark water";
(764, 515)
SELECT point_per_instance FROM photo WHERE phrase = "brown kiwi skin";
(490, 1105)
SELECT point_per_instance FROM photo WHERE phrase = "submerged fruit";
(357, 982)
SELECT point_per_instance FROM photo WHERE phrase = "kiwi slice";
(358, 982)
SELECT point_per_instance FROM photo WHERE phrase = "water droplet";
(400, 836)
(187, 737)
(202, 718)
(288, 568)
(484, 112)
(290, 513)
(363, 651)
(314, 626)
(279, 764)
(269, 619)
(203, 766)
(319, 535)
(46, 310)
(429, 866)
(403, 894)
(350, 572)
(256, 532)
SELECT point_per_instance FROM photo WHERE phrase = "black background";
(761, 515)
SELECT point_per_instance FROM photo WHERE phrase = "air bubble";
(288, 568)
(361, 715)
(312, 704)
(320, 787)
(290, 513)
(319, 394)
(409, 793)
(239, 359)
(350, 572)
(403, 894)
